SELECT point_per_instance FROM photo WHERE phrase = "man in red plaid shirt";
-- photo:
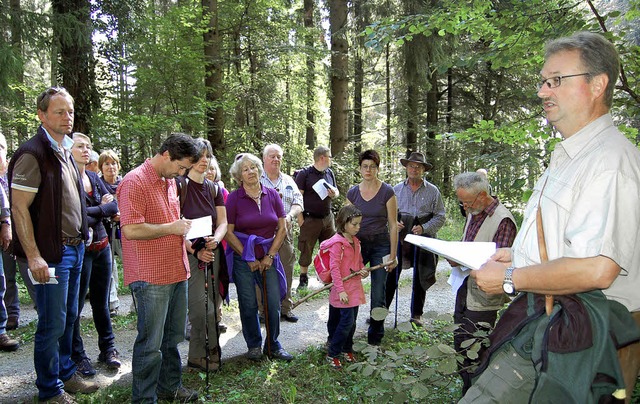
(487, 220)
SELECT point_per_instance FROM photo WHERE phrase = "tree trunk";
(358, 76)
(338, 12)
(77, 63)
(213, 77)
(16, 44)
(310, 135)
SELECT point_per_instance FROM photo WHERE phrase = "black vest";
(46, 208)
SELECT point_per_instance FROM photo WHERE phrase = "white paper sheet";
(52, 277)
(458, 275)
(200, 227)
(467, 253)
(320, 188)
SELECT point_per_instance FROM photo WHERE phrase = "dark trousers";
(468, 323)
(341, 327)
(96, 276)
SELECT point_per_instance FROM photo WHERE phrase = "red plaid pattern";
(505, 234)
(145, 197)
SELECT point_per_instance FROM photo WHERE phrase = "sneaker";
(78, 385)
(63, 398)
(85, 368)
(349, 357)
(222, 328)
(334, 362)
(304, 281)
(110, 359)
(254, 354)
(292, 318)
(201, 364)
(282, 355)
(7, 343)
(113, 313)
(12, 323)
(183, 395)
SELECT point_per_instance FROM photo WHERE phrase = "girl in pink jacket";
(345, 297)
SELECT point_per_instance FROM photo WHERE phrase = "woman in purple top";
(200, 197)
(378, 233)
(255, 233)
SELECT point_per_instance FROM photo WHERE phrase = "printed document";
(466, 253)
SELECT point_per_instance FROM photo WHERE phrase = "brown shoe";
(78, 385)
(7, 343)
(63, 398)
(12, 323)
(201, 364)
(417, 320)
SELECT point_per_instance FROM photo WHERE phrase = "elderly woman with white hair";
(256, 230)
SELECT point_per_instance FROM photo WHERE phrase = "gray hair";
(236, 167)
(597, 54)
(320, 151)
(216, 166)
(270, 147)
(472, 182)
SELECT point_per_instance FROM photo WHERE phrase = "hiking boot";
(334, 362)
(291, 318)
(110, 359)
(63, 398)
(12, 323)
(78, 385)
(222, 328)
(7, 343)
(254, 354)
(282, 355)
(417, 320)
(304, 281)
(349, 357)
(201, 364)
(85, 367)
(183, 395)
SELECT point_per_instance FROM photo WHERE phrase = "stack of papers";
(467, 253)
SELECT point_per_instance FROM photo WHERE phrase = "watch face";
(508, 288)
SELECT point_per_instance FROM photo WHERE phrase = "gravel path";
(17, 384)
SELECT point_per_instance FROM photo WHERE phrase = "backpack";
(181, 183)
(321, 262)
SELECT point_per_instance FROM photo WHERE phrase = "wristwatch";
(507, 285)
(271, 256)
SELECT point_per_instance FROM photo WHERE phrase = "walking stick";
(266, 311)
(398, 268)
(206, 322)
(329, 285)
(215, 312)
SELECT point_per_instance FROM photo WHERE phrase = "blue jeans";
(245, 281)
(12, 302)
(156, 365)
(3, 308)
(57, 311)
(96, 276)
(341, 327)
(374, 248)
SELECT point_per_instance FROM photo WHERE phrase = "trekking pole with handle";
(206, 322)
(265, 303)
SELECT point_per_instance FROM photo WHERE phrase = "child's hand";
(363, 273)
(344, 298)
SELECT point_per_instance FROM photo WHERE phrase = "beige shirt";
(590, 206)
(26, 177)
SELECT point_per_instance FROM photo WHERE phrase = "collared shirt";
(424, 201)
(26, 177)
(505, 234)
(286, 187)
(312, 202)
(146, 197)
(589, 206)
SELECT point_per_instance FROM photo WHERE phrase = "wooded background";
(453, 79)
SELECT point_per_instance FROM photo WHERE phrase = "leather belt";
(98, 245)
(72, 241)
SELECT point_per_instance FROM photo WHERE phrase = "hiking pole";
(215, 310)
(329, 285)
(206, 322)
(265, 303)
(398, 268)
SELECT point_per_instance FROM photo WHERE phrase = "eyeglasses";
(371, 167)
(553, 82)
(414, 166)
(462, 203)
(181, 167)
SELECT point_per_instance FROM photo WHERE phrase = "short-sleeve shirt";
(243, 212)
(589, 206)
(312, 202)
(286, 187)
(374, 212)
(198, 201)
(26, 177)
(146, 197)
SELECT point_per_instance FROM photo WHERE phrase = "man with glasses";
(50, 229)
(272, 177)
(318, 222)
(156, 268)
(487, 220)
(421, 212)
(587, 200)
